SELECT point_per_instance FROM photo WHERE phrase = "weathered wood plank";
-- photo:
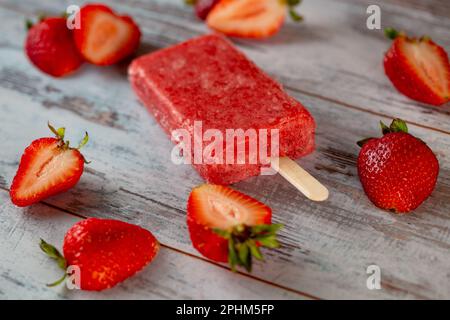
(24, 269)
(326, 246)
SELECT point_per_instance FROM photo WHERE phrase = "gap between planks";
(353, 107)
(247, 275)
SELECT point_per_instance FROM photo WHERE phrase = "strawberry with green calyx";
(204, 7)
(418, 68)
(48, 166)
(228, 226)
(105, 252)
(397, 171)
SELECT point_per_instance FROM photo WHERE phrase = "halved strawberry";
(204, 7)
(226, 225)
(247, 18)
(418, 68)
(48, 166)
(105, 38)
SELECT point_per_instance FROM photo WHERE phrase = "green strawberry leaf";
(84, 141)
(223, 233)
(398, 125)
(244, 242)
(254, 250)
(362, 142)
(59, 133)
(244, 256)
(53, 253)
(269, 242)
(295, 16)
(384, 128)
(232, 256)
(57, 282)
(391, 33)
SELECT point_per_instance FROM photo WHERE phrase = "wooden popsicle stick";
(300, 178)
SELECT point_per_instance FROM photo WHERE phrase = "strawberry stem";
(244, 242)
(60, 134)
(391, 33)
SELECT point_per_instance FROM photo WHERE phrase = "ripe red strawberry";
(203, 7)
(418, 68)
(48, 166)
(106, 252)
(397, 171)
(105, 38)
(247, 18)
(226, 225)
(50, 47)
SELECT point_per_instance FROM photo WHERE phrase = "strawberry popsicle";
(207, 80)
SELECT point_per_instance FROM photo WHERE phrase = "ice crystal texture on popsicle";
(207, 80)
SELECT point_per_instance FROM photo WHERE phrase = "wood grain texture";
(326, 246)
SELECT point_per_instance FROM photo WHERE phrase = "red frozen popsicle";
(207, 80)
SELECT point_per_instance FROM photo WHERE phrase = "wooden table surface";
(331, 63)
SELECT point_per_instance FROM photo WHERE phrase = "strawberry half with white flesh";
(247, 18)
(104, 37)
(48, 166)
(418, 68)
(228, 226)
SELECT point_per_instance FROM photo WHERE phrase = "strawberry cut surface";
(420, 69)
(247, 18)
(213, 207)
(104, 37)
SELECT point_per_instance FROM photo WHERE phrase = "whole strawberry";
(397, 171)
(51, 48)
(418, 68)
(106, 252)
(228, 226)
(48, 166)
